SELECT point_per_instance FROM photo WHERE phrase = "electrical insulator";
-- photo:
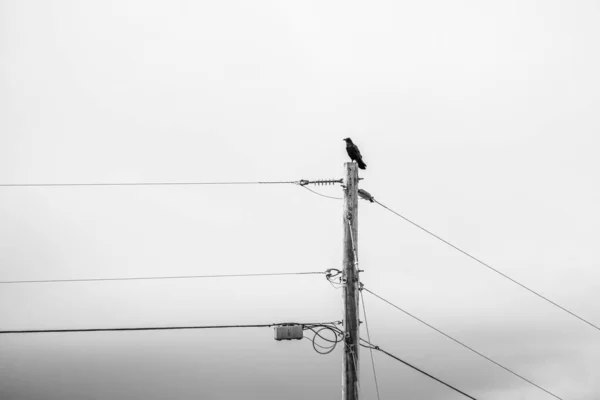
(288, 332)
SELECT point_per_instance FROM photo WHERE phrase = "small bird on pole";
(354, 153)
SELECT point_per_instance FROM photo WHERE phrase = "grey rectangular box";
(288, 332)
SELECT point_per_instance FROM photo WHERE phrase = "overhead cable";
(148, 183)
(163, 277)
(163, 328)
(372, 346)
(362, 300)
(322, 195)
(301, 182)
(316, 329)
(492, 268)
(463, 345)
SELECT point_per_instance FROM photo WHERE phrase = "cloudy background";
(477, 119)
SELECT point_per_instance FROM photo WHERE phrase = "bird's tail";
(361, 164)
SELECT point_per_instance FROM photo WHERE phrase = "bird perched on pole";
(354, 153)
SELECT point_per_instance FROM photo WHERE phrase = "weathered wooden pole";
(350, 385)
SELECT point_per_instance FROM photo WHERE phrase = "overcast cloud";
(477, 119)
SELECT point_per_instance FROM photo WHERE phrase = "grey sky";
(477, 119)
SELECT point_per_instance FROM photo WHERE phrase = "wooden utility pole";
(350, 280)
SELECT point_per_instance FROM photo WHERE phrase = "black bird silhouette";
(354, 153)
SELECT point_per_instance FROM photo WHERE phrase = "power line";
(362, 299)
(337, 333)
(163, 277)
(163, 328)
(149, 183)
(491, 268)
(322, 195)
(159, 328)
(372, 346)
(463, 345)
(301, 182)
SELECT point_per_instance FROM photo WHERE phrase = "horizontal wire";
(464, 345)
(158, 328)
(371, 346)
(144, 183)
(163, 277)
(492, 268)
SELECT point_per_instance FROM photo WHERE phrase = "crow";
(354, 153)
